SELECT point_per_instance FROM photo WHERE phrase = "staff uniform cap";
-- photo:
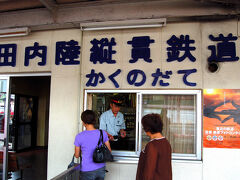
(116, 100)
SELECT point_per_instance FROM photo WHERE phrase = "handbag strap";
(100, 138)
(73, 159)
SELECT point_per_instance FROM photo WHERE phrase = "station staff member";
(112, 121)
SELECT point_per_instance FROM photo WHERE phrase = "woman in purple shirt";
(85, 143)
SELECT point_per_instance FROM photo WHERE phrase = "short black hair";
(152, 123)
(88, 117)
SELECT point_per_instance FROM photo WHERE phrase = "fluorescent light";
(121, 27)
(126, 24)
(14, 32)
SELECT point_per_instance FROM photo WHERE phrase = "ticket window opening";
(100, 102)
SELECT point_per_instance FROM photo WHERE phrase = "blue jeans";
(97, 174)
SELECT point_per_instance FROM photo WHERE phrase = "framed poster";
(221, 118)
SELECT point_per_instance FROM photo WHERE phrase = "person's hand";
(110, 137)
(123, 133)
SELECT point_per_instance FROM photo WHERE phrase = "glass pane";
(24, 136)
(25, 109)
(100, 103)
(3, 96)
(3, 87)
(11, 139)
(178, 113)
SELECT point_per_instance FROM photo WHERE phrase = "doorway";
(28, 126)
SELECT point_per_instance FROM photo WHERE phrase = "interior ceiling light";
(126, 24)
(14, 32)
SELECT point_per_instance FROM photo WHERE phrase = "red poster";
(221, 120)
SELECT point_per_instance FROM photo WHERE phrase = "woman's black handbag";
(102, 154)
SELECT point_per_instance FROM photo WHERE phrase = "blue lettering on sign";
(67, 52)
(140, 48)
(35, 51)
(225, 50)
(8, 54)
(178, 45)
(158, 74)
(186, 73)
(133, 75)
(112, 78)
(93, 78)
(101, 51)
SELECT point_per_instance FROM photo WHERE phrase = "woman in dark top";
(155, 160)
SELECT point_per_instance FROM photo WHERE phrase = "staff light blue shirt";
(110, 123)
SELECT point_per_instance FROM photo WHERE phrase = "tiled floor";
(37, 159)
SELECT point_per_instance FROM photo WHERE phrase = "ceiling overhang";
(54, 14)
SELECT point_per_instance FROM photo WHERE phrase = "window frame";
(197, 126)
(120, 155)
(131, 156)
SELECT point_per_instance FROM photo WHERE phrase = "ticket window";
(100, 102)
(180, 111)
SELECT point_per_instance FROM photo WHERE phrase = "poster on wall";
(221, 118)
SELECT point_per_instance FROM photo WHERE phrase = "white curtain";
(179, 118)
(178, 113)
